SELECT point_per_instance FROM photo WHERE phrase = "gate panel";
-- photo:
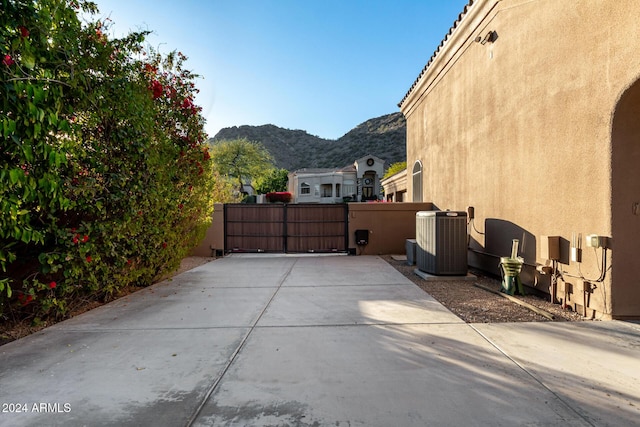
(254, 228)
(317, 228)
(286, 228)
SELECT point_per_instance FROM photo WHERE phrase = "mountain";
(383, 137)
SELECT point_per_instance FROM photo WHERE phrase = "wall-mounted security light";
(490, 37)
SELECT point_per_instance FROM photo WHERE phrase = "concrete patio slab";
(352, 305)
(239, 270)
(343, 271)
(595, 366)
(177, 306)
(412, 375)
(314, 341)
(109, 378)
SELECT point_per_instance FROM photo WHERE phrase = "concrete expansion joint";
(533, 376)
(357, 325)
(233, 357)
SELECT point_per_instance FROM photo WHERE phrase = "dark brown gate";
(286, 227)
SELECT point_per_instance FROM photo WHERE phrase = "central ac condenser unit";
(442, 242)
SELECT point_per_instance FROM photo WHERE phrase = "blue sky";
(323, 66)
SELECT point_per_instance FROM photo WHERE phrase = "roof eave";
(441, 47)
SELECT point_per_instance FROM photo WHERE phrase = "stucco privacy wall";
(214, 239)
(389, 225)
(520, 128)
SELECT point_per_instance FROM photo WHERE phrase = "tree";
(223, 190)
(394, 168)
(273, 181)
(105, 180)
(241, 159)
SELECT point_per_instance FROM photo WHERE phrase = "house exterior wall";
(365, 172)
(316, 181)
(395, 187)
(521, 129)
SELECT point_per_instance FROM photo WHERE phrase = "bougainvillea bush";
(279, 197)
(104, 173)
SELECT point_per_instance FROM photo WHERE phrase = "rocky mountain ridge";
(383, 137)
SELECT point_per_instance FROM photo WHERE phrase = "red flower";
(164, 245)
(75, 239)
(187, 103)
(52, 285)
(180, 206)
(157, 89)
(23, 31)
(88, 258)
(150, 69)
(85, 239)
(8, 60)
(129, 262)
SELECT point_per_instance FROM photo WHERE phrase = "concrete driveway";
(313, 341)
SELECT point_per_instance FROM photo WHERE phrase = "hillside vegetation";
(383, 137)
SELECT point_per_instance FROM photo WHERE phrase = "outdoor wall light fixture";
(490, 37)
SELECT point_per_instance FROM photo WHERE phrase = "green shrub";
(105, 178)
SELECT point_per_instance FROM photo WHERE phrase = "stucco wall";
(389, 225)
(316, 180)
(520, 129)
(214, 239)
(395, 186)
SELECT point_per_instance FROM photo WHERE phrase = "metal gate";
(286, 227)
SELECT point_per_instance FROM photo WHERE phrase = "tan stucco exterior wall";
(214, 239)
(389, 225)
(395, 187)
(521, 129)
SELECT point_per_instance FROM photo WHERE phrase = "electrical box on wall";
(362, 237)
(550, 247)
(595, 241)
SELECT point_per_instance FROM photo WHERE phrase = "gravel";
(476, 305)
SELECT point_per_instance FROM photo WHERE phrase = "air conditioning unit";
(442, 242)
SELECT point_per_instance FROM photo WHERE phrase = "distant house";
(359, 182)
(395, 187)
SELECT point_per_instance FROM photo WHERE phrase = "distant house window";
(305, 188)
(349, 187)
(316, 190)
(417, 181)
(337, 190)
(327, 190)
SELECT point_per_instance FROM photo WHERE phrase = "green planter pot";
(511, 268)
